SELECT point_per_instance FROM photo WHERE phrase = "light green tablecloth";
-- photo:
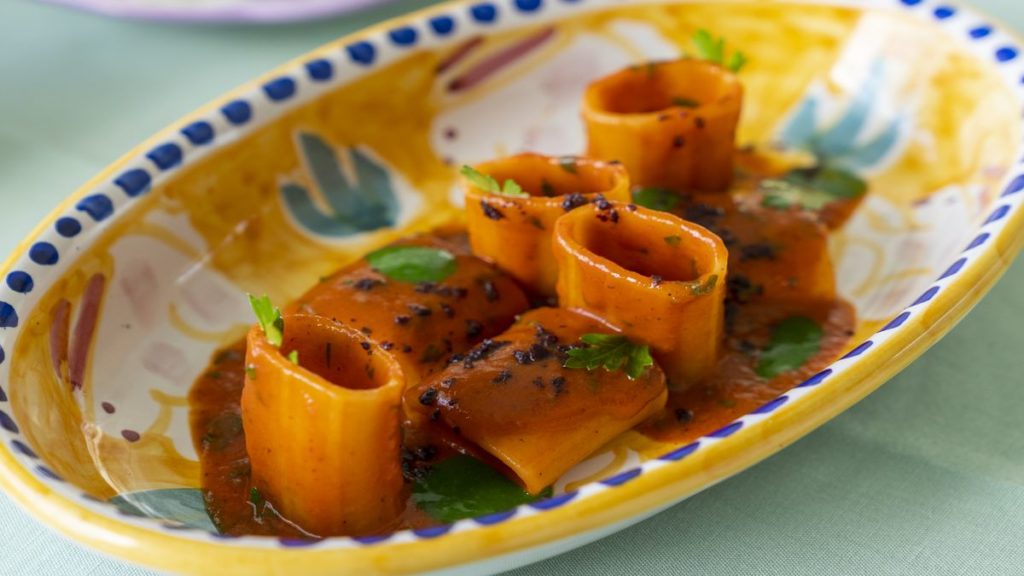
(924, 477)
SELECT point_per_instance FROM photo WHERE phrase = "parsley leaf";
(487, 183)
(269, 318)
(702, 289)
(685, 102)
(293, 357)
(811, 189)
(568, 163)
(713, 50)
(463, 487)
(794, 341)
(656, 198)
(413, 263)
(612, 352)
(673, 240)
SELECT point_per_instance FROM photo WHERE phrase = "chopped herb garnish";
(546, 188)
(673, 240)
(257, 501)
(811, 189)
(794, 341)
(413, 263)
(568, 163)
(487, 183)
(269, 318)
(293, 357)
(685, 102)
(656, 198)
(698, 288)
(713, 50)
(250, 372)
(612, 352)
(463, 487)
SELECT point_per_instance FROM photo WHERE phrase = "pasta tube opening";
(655, 277)
(671, 124)
(322, 417)
(514, 231)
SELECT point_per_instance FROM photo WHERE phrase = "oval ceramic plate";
(220, 10)
(113, 305)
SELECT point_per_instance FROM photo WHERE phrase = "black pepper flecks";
(558, 384)
(385, 345)
(473, 329)
(683, 415)
(601, 202)
(429, 397)
(448, 311)
(425, 287)
(420, 310)
(406, 349)
(365, 346)
(483, 351)
(447, 383)
(490, 290)
(678, 142)
(740, 289)
(366, 284)
(572, 201)
(402, 319)
(759, 251)
(491, 212)
(655, 280)
(502, 377)
(538, 382)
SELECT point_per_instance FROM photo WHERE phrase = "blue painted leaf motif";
(368, 203)
(182, 505)
(838, 145)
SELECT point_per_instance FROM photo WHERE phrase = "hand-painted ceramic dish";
(220, 10)
(113, 305)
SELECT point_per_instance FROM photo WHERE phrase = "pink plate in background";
(220, 10)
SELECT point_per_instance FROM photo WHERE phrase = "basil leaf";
(794, 341)
(463, 487)
(656, 199)
(413, 263)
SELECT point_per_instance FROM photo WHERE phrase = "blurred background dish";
(220, 10)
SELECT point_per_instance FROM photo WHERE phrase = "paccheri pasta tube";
(671, 124)
(513, 398)
(514, 231)
(322, 417)
(653, 276)
(420, 299)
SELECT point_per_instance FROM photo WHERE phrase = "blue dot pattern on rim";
(956, 267)
(484, 13)
(622, 478)
(279, 89)
(44, 254)
(20, 282)
(554, 501)
(1005, 54)
(97, 206)
(362, 52)
(680, 453)
(727, 430)
(43, 470)
(860, 349)
(442, 25)
(7, 423)
(23, 448)
(8, 315)
(198, 133)
(320, 70)
(980, 32)
(134, 182)
(496, 518)
(405, 36)
(1015, 186)
(238, 112)
(433, 532)
(896, 322)
(165, 156)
